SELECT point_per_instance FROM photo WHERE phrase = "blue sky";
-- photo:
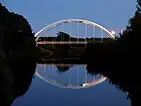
(109, 13)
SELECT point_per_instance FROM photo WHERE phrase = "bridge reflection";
(73, 78)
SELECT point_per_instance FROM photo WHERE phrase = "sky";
(108, 13)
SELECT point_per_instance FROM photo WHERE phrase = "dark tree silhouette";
(7, 82)
(63, 68)
(17, 50)
(62, 36)
(120, 60)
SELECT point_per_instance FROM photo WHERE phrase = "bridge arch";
(48, 27)
(55, 24)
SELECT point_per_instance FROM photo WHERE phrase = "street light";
(113, 32)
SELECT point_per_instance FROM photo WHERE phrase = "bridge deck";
(61, 42)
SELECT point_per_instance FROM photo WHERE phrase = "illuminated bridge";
(75, 42)
(67, 40)
(72, 30)
(64, 48)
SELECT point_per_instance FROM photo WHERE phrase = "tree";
(62, 36)
(63, 68)
(119, 60)
(65, 48)
(17, 49)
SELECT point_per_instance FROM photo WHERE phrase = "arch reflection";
(73, 76)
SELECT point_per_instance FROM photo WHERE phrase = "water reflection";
(72, 76)
(44, 94)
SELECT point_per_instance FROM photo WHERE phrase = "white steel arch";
(70, 86)
(46, 28)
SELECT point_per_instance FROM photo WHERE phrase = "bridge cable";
(70, 27)
(93, 36)
(101, 33)
(77, 42)
(85, 47)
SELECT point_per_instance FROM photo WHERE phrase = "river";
(70, 86)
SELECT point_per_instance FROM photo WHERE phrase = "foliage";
(63, 36)
(17, 49)
(119, 60)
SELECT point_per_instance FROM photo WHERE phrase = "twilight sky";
(111, 14)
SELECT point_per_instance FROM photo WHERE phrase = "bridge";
(63, 50)
(69, 42)
(73, 41)
(63, 43)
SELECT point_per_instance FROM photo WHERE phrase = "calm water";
(42, 93)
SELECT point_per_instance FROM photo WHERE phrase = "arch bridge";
(66, 46)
